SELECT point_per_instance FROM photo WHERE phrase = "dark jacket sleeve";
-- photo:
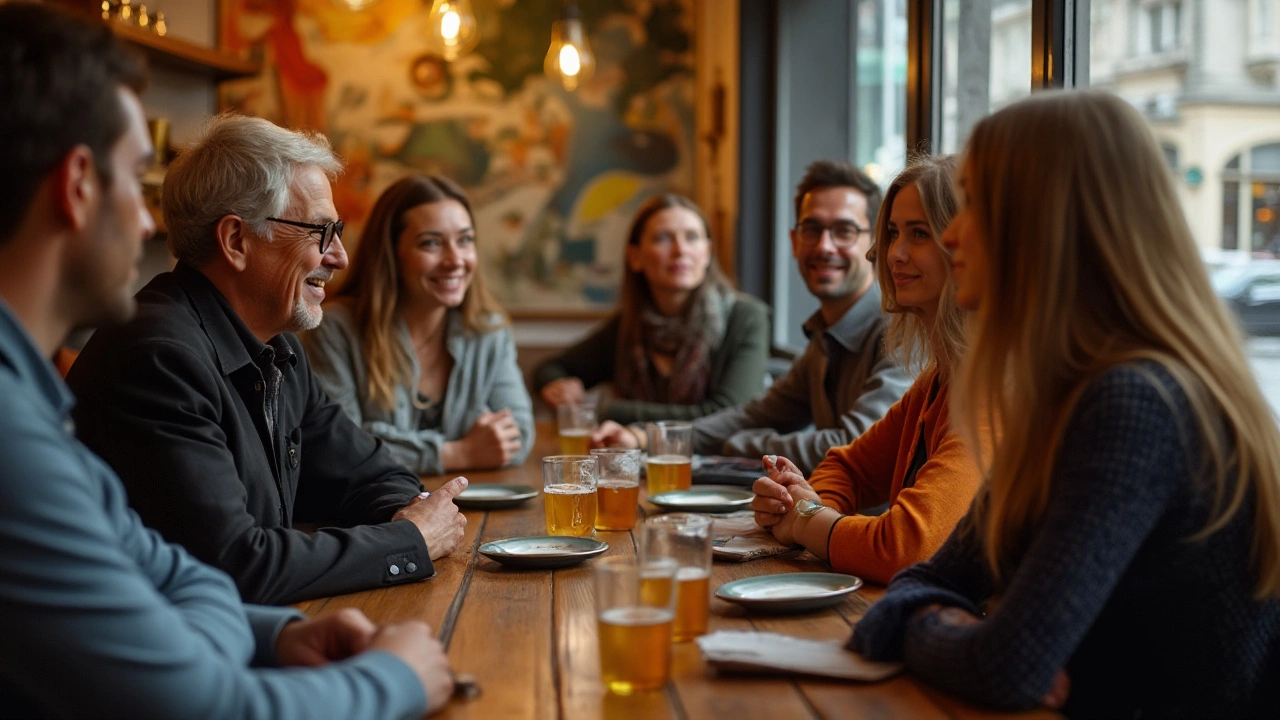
(737, 371)
(155, 410)
(592, 360)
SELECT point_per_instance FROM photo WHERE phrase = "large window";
(986, 62)
(1206, 75)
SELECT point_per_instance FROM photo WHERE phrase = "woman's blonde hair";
(1091, 264)
(916, 344)
(374, 288)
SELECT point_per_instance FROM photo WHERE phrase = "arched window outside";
(1251, 200)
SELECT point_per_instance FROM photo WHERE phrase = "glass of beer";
(617, 488)
(576, 423)
(686, 540)
(634, 612)
(670, 465)
(569, 494)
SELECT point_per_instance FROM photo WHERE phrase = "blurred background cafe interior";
(560, 118)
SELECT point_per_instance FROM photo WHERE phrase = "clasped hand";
(777, 495)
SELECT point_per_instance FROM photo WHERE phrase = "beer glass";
(576, 423)
(617, 488)
(685, 539)
(569, 494)
(670, 456)
(634, 611)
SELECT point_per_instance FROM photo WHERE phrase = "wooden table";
(529, 636)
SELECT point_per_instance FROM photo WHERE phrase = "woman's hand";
(777, 495)
(492, 442)
(612, 435)
(564, 391)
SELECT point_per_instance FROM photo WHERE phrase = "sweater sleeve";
(806, 446)
(508, 393)
(742, 356)
(591, 360)
(1125, 452)
(921, 517)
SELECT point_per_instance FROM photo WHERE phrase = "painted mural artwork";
(554, 177)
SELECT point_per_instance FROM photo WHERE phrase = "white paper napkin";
(738, 651)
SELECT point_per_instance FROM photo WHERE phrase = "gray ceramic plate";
(492, 496)
(542, 552)
(704, 498)
(789, 592)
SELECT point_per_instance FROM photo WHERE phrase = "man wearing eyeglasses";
(844, 381)
(205, 403)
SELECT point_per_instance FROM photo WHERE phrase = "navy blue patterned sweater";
(1146, 623)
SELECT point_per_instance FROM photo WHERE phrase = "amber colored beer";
(571, 509)
(575, 441)
(635, 648)
(693, 603)
(617, 502)
(669, 472)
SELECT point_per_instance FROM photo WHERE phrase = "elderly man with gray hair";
(206, 406)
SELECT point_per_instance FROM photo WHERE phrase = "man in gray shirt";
(844, 381)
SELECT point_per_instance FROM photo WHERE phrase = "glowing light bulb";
(569, 59)
(449, 26)
(570, 63)
(452, 30)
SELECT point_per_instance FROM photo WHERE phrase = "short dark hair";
(838, 173)
(60, 76)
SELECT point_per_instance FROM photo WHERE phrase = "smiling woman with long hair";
(911, 459)
(1123, 555)
(414, 348)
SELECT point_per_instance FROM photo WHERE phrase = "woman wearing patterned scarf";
(683, 343)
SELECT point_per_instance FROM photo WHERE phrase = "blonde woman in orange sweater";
(911, 458)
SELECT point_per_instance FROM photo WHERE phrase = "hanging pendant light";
(354, 5)
(569, 59)
(451, 29)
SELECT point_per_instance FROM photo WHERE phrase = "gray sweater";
(1146, 623)
(842, 384)
(485, 378)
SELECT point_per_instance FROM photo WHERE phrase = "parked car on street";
(1252, 291)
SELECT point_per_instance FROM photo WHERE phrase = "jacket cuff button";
(394, 569)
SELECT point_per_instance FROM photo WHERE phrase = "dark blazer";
(174, 401)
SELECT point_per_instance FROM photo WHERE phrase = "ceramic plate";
(789, 592)
(542, 552)
(704, 498)
(491, 496)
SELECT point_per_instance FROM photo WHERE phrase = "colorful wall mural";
(554, 177)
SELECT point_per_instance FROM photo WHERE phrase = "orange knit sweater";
(871, 470)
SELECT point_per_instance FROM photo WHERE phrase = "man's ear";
(233, 241)
(795, 243)
(77, 187)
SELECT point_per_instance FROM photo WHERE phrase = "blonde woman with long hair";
(415, 349)
(1123, 555)
(910, 459)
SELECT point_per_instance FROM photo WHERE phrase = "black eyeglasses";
(324, 233)
(843, 232)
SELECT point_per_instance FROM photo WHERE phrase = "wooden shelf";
(183, 55)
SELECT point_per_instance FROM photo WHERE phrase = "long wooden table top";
(529, 636)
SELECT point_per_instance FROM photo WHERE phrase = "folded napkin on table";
(736, 537)
(737, 651)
